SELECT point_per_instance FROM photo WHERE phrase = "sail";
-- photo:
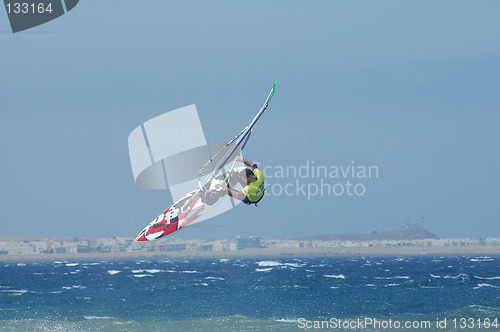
(241, 139)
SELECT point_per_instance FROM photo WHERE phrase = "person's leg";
(238, 175)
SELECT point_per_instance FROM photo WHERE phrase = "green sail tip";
(274, 88)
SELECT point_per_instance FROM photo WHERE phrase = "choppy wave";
(214, 278)
(148, 271)
(488, 278)
(154, 271)
(142, 275)
(485, 285)
(390, 278)
(287, 320)
(459, 276)
(482, 259)
(268, 263)
(15, 292)
(74, 287)
(278, 264)
(97, 317)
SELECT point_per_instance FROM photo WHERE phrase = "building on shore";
(406, 236)
(243, 243)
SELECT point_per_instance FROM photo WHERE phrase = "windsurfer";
(252, 181)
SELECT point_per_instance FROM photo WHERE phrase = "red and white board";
(173, 219)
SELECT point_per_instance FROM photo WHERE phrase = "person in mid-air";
(252, 181)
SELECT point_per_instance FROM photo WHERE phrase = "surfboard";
(183, 212)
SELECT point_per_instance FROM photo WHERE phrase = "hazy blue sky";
(412, 88)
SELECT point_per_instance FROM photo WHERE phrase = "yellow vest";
(255, 190)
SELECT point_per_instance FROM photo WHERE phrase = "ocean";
(253, 294)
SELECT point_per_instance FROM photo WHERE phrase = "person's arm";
(246, 162)
(234, 193)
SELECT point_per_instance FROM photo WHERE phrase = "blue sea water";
(248, 294)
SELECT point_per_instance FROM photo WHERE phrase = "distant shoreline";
(262, 252)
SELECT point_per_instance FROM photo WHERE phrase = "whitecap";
(74, 287)
(264, 270)
(79, 287)
(391, 285)
(154, 271)
(137, 271)
(482, 259)
(487, 278)
(269, 263)
(112, 272)
(15, 292)
(460, 276)
(189, 271)
(485, 285)
(286, 320)
(71, 264)
(339, 276)
(142, 275)
(97, 317)
(214, 278)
